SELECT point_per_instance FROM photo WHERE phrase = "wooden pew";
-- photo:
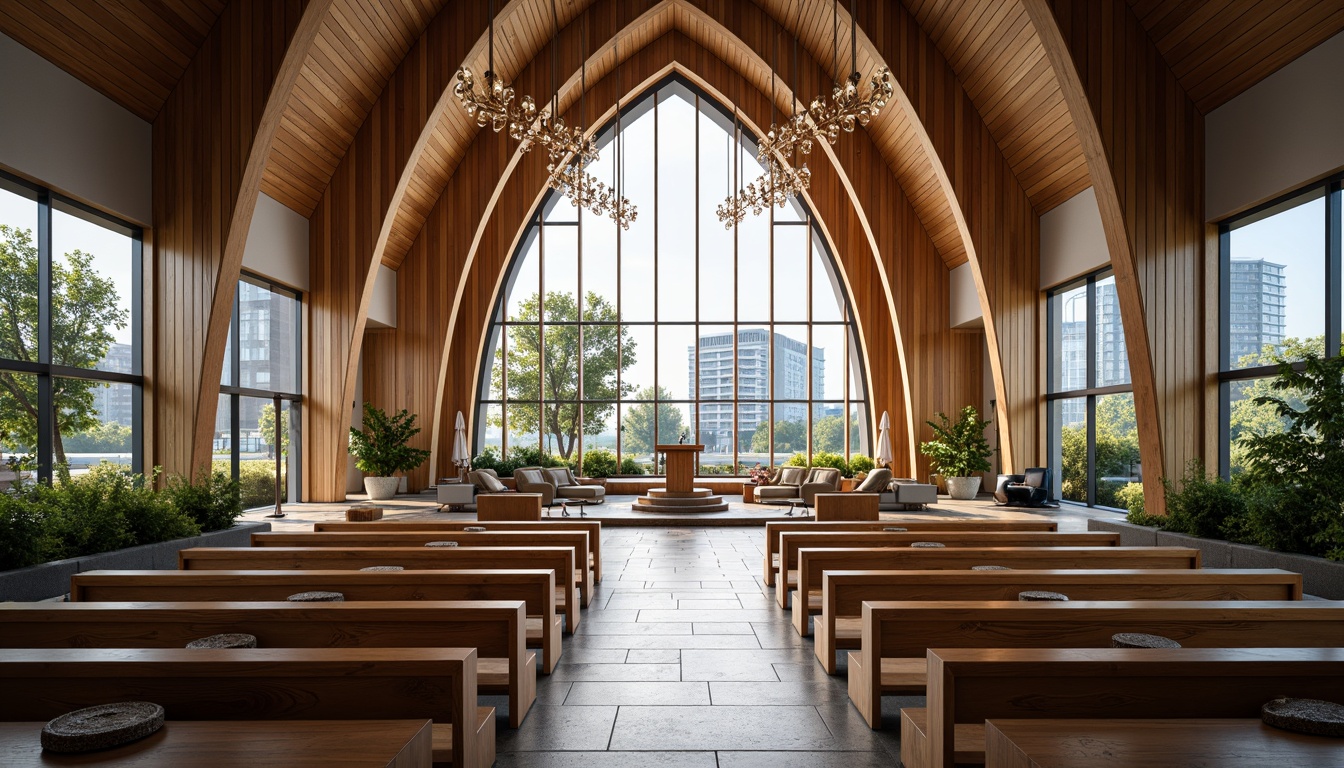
(818, 561)
(558, 559)
(896, 635)
(536, 588)
(592, 527)
(774, 529)
(494, 628)
(582, 573)
(1226, 743)
(791, 542)
(291, 743)
(263, 684)
(968, 686)
(839, 625)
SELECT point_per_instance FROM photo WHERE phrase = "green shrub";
(1206, 505)
(832, 460)
(860, 463)
(716, 469)
(600, 462)
(23, 538)
(1131, 495)
(630, 467)
(797, 460)
(487, 459)
(214, 501)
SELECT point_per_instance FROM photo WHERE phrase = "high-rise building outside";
(1257, 297)
(1112, 363)
(714, 366)
(113, 402)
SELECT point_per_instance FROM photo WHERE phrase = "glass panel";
(599, 268)
(674, 421)
(226, 371)
(753, 432)
(18, 277)
(858, 432)
(790, 430)
(523, 419)
(717, 279)
(599, 427)
(97, 423)
(495, 387)
(637, 242)
(222, 447)
(1117, 452)
(1068, 449)
(676, 204)
(92, 289)
(790, 271)
(828, 428)
(1112, 357)
(600, 345)
(1068, 340)
(753, 269)
(561, 352)
(491, 428)
(637, 357)
(561, 437)
(1276, 305)
(828, 354)
(291, 434)
(18, 426)
(1245, 417)
(676, 361)
(268, 350)
(522, 292)
(524, 356)
(790, 369)
(715, 423)
(256, 451)
(714, 363)
(560, 267)
(753, 364)
(827, 296)
(637, 435)
(558, 208)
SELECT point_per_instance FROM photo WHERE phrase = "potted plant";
(381, 450)
(959, 452)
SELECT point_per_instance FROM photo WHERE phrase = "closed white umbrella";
(461, 455)
(884, 441)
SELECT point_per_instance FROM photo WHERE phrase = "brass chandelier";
(848, 108)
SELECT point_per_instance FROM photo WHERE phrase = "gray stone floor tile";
(712, 605)
(642, 694)
(665, 641)
(722, 628)
(574, 655)
(608, 760)
(805, 760)
(589, 628)
(618, 672)
(789, 693)
(559, 728)
(752, 615)
(737, 728)
(653, 656)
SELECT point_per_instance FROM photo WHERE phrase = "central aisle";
(682, 660)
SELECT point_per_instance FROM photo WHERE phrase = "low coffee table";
(804, 508)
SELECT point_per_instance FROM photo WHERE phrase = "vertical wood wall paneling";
(349, 229)
(1143, 138)
(210, 143)
(1002, 228)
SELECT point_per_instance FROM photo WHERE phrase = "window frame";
(851, 359)
(47, 200)
(1332, 190)
(1089, 393)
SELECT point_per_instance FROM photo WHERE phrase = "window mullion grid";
(1334, 300)
(46, 412)
(1091, 367)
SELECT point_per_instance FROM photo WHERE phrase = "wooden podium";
(680, 493)
(680, 466)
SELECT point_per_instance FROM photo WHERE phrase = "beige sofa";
(557, 483)
(799, 483)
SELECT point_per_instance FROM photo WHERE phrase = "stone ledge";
(48, 580)
(1320, 577)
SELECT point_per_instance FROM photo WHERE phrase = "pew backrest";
(252, 684)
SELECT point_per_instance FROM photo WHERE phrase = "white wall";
(1072, 240)
(963, 303)
(277, 244)
(1279, 135)
(66, 135)
(383, 306)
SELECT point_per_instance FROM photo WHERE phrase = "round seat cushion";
(1311, 716)
(990, 568)
(226, 640)
(441, 544)
(1038, 595)
(928, 544)
(316, 596)
(102, 727)
(383, 568)
(1141, 640)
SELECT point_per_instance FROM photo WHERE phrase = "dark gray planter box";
(1320, 577)
(41, 582)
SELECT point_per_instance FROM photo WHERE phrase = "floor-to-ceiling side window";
(1280, 300)
(70, 351)
(739, 338)
(1093, 434)
(257, 422)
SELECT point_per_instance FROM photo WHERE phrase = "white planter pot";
(963, 488)
(381, 488)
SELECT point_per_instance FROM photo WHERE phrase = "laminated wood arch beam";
(1142, 136)
(211, 140)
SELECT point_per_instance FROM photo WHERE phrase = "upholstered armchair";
(533, 480)
(567, 486)
(819, 480)
(876, 481)
(1029, 489)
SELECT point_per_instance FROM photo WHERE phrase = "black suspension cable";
(835, 39)
(490, 71)
(853, 43)
(555, 47)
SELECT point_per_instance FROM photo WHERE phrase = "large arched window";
(739, 338)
